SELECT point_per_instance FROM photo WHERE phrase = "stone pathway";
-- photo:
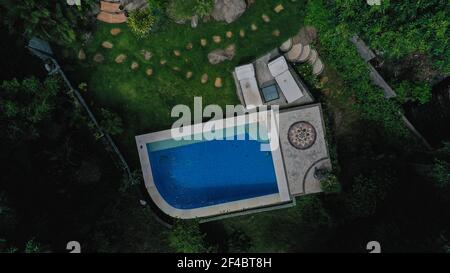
(229, 34)
(203, 42)
(217, 39)
(147, 54)
(163, 61)
(81, 55)
(99, 58)
(149, 71)
(134, 65)
(204, 78)
(254, 27)
(121, 58)
(279, 8)
(265, 18)
(242, 33)
(177, 53)
(218, 82)
(115, 31)
(107, 44)
(276, 33)
(189, 75)
(189, 46)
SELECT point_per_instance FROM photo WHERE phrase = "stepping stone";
(254, 27)
(134, 65)
(229, 34)
(177, 53)
(204, 78)
(189, 46)
(98, 58)
(176, 68)
(218, 83)
(149, 72)
(265, 18)
(279, 8)
(115, 31)
(306, 53)
(242, 33)
(294, 53)
(203, 42)
(286, 46)
(163, 61)
(276, 33)
(189, 74)
(121, 58)
(107, 44)
(217, 39)
(147, 54)
(318, 67)
(81, 54)
(313, 58)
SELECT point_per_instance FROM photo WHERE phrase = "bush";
(141, 22)
(181, 10)
(330, 184)
(420, 92)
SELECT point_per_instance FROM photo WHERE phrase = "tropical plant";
(186, 237)
(141, 22)
(111, 123)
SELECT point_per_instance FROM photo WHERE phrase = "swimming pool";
(198, 178)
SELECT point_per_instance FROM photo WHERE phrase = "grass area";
(145, 102)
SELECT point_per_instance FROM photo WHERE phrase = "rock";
(254, 27)
(81, 54)
(149, 72)
(177, 53)
(189, 46)
(228, 10)
(134, 65)
(219, 55)
(229, 34)
(98, 58)
(279, 8)
(115, 31)
(121, 58)
(265, 18)
(204, 78)
(130, 5)
(163, 61)
(176, 68)
(194, 21)
(203, 42)
(189, 74)
(107, 44)
(217, 39)
(276, 33)
(218, 83)
(242, 33)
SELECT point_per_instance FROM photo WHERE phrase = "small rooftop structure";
(110, 12)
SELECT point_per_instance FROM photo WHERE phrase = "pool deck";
(282, 197)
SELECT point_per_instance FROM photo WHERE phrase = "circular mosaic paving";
(302, 135)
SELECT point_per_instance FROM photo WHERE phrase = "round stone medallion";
(302, 135)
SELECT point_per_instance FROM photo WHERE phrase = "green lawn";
(145, 102)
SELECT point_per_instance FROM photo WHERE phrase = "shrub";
(181, 10)
(330, 184)
(141, 22)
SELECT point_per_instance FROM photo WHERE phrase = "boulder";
(228, 10)
(219, 55)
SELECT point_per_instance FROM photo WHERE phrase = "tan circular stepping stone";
(276, 33)
(254, 27)
(217, 39)
(279, 8)
(189, 74)
(177, 53)
(81, 54)
(286, 46)
(313, 58)
(134, 65)
(189, 46)
(163, 61)
(242, 33)
(318, 67)
(295, 52)
(306, 53)
(107, 44)
(218, 82)
(265, 18)
(99, 58)
(115, 31)
(229, 34)
(121, 58)
(204, 78)
(149, 71)
(203, 42)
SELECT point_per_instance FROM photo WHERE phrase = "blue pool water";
(206, 173)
